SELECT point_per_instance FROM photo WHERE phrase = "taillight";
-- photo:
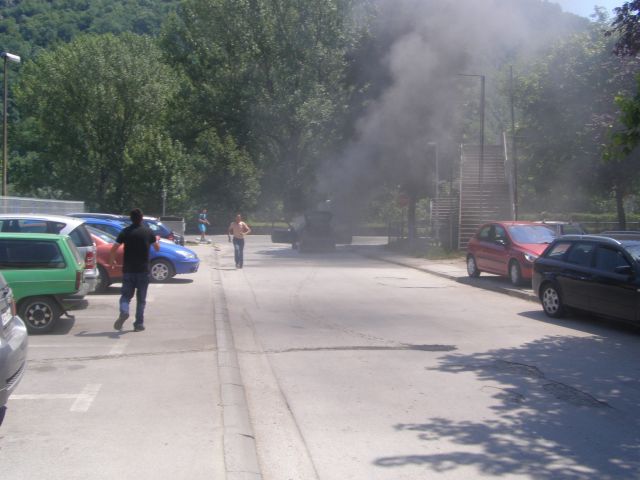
(14, 309)
(90, 260)
(79, 275)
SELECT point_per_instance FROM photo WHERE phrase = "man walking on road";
(137, 239)
(238, 229)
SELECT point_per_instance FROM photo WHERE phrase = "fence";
(39, 205)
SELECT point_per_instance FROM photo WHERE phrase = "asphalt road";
(326, 366)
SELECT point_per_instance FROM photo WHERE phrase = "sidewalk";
(453, 269)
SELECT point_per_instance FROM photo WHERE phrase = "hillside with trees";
(275, 106)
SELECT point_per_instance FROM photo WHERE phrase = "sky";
(585, 7)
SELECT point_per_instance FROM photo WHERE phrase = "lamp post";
(482, 95)
(8, 57)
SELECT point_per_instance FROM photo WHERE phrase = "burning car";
(312, 231)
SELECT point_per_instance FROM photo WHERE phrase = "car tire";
(472, 267)
(515, 273)
(161, 271)
(104, 281)
(39, 314)
(551, 300)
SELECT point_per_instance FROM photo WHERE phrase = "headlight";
(529, 257)
(185, 254)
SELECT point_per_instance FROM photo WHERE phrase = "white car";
(61, 225)
(13, 346)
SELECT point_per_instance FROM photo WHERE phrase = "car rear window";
(30, 254)
(81, 236)
(104, 236)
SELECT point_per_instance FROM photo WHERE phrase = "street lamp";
(481, 165)
(8, 57)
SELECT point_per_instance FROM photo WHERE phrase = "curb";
(473, 282)
(240, 451)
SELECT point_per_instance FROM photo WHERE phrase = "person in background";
(137, 239)
(202, 225)
(239, 230)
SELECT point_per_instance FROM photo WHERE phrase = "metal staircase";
(456, 216)
(482, 199)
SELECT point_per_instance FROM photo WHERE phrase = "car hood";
(535, 248)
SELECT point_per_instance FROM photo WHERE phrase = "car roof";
(511, 223)
(555, 222)
(33, 236)
(71, 221)
(104, 221)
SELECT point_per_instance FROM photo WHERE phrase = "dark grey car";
(13, 346)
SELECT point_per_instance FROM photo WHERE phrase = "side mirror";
(624, 270)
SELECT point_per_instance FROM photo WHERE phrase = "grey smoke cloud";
(430, 42)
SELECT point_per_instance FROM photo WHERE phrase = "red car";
(108, 275)
(508, 249)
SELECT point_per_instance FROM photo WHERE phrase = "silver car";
(13, 346)
(62, 225)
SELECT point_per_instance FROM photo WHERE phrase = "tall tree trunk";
(622, 218)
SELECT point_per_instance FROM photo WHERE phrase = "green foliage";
(568, 109)
(271, 76)
(93, 111)
(27, 26)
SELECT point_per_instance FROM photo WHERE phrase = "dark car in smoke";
(313, 231)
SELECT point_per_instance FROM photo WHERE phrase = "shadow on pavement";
(560, 411)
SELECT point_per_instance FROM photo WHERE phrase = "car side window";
(558, 251)
(30, 254)
(485, 234)
(608, 259)
(500, 234)
(580, 254)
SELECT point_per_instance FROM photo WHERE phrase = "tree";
(94, 114)
(568, 109)
(626, 27)
(271, 76)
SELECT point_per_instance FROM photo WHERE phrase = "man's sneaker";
(120, 321)
(138, 328)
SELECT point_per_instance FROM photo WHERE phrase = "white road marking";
(118, 348)
(82, 401)
(86, 398)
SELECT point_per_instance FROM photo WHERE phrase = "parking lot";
(98, 403)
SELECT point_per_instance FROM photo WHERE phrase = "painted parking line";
(82, 401)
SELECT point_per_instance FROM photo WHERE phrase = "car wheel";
(161, 271)
(104, 281)
(472, 267)
(515, 274)
(551, 301)
(39, 314)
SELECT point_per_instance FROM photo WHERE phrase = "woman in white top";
(238, 229)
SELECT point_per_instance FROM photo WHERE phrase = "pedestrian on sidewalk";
(239, 230)
(202, 225)
(137, 239)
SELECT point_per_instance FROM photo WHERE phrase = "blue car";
(171, 260)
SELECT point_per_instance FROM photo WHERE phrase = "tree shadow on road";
(563, 407)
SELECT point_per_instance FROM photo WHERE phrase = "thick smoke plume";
(425, 45)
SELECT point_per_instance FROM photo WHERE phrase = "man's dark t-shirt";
(137, 241)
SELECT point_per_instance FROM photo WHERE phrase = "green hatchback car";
(40, 268)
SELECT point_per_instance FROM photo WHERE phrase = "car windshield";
(634, 250)
(531, 233)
